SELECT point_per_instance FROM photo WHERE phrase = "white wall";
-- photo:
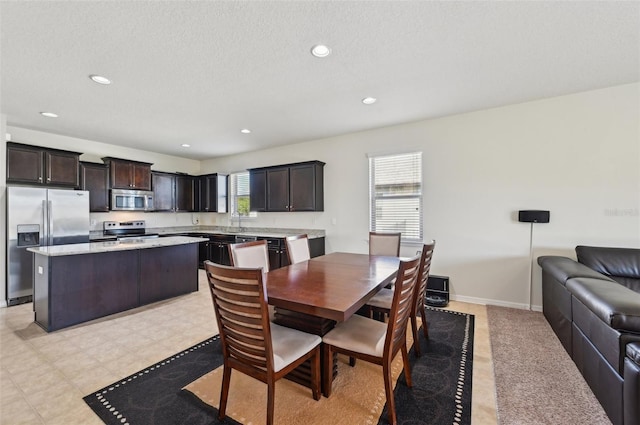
(577, 156)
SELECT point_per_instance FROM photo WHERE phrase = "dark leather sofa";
(593, 306)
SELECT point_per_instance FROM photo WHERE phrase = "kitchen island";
(81, 282)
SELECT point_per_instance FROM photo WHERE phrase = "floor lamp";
(532, 216)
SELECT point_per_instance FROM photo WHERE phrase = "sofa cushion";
(623, 262)
(633, 352)
(616, 305)
(563, 269)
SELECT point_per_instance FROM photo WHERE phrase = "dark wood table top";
(332, 286)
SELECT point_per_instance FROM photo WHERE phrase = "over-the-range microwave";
(131, 200)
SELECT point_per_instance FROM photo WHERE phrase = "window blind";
(240, 194)
(396, 194)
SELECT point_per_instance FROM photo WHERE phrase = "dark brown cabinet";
(163, 191)
(173, 192)
(127, 174)
(212, 191)
(42, 166)
(291, 187)
(185, 193)
(95, 179)
(258, 190)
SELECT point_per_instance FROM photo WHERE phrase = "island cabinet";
(95, 178)
(126, 174)
(162, 272)
(76, 287)
(174, 192)
(34, 165)
(288, 188)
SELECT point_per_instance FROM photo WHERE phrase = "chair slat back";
(254, 254)
(298, 248)
(384, 244)
(402, 304)
(423, 274)
(240, 303)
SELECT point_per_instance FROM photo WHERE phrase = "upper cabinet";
(290, 187)
(95, 179)
(212, 191)
(42, 166)
(174, 192)
(127, 174)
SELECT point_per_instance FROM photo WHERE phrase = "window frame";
(233, 197)
(375, 197)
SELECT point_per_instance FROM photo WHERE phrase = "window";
(240, 195)
(396, 194)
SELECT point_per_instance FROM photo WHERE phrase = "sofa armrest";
(614, 304)
(563, 269)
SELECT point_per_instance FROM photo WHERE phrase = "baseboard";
(499, 303)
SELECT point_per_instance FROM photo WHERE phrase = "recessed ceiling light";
(49, 114)
(320, 51)
(245, 131)
(369, 100)
(185, 145)
(100, 79)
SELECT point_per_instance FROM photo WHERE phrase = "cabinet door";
(278, 189)
(302, 187)
(24, 165)
(95, 179)
(221, 203)
(258, 190)
(141, 176)
(121, 174)
(163, 192)
(62, 168)
(185, 191)
(208, 193)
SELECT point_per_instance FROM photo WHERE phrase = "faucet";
(240, 229)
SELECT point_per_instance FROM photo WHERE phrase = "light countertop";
(109, 246)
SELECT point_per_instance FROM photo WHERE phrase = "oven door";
(130, 200)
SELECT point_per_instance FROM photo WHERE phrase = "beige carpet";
(536, 380)
(357, 396)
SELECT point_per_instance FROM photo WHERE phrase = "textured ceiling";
(197, 72)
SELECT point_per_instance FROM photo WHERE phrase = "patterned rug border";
(110, 414)
(100, 396)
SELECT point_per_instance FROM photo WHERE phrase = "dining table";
(314, 295)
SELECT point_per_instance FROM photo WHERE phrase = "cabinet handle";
(40, 178)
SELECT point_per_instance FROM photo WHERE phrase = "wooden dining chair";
(252, 254)
(381, 301)
(377, 342)
(298, 248)
(384, 243)
(251, 344)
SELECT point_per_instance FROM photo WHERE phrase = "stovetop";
(125, 229)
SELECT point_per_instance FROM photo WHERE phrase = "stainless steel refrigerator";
(40, 217)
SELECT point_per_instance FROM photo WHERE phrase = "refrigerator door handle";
(50, 220)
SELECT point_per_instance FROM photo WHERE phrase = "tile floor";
(43, 377)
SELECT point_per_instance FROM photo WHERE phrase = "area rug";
(185, 388)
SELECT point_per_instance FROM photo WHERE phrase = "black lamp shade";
(533, 216)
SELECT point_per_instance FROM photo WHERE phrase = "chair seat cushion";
(290, 344)
(358, 334)
(382, 299)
